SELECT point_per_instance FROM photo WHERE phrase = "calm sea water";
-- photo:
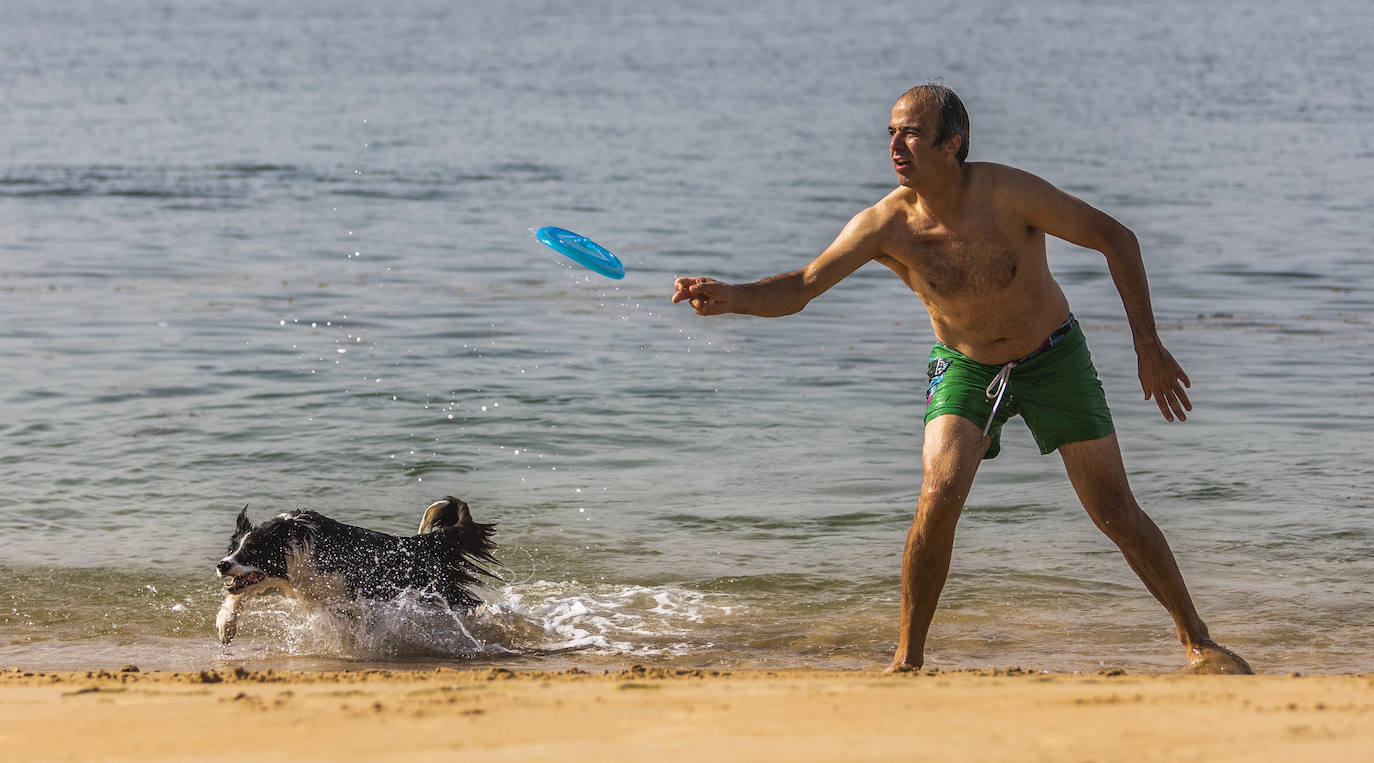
(281, 255)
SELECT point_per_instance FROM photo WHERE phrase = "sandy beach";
(681, 714)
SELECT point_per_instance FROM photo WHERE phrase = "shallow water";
(283, 257)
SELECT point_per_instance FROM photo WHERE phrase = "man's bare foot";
(1212, 659)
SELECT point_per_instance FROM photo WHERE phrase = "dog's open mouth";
(240, 582)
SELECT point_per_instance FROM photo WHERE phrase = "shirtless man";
(969, 240)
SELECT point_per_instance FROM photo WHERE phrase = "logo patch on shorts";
(935, 372)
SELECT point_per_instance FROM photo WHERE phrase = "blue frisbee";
(582, 250)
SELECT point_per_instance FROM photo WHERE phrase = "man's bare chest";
(960, 264)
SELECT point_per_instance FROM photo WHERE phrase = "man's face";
(913, 129)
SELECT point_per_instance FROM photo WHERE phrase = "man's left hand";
(1162, 378)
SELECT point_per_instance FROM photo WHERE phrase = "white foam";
(616, 619)
(529, 617)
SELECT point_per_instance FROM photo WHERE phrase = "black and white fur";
(312, 558)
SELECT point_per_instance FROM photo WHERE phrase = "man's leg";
(950, 456)
(1099, 478)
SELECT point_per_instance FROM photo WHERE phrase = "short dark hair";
(952, 116)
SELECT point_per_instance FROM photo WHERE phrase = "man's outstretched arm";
(771, 297)
(788, 293)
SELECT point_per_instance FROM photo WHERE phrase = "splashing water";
(525, 619)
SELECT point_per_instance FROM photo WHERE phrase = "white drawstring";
(997, 389)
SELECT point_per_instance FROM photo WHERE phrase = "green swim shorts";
(1055, 389)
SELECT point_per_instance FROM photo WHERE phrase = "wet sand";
(674, 714)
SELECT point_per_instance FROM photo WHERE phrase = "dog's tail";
(452, 517)
(445, 512)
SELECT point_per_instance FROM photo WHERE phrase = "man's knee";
(942, 500)
(941, 492)
(1115, 511)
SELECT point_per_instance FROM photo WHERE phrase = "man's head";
(951, 118)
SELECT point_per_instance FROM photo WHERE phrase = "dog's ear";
(242, 526)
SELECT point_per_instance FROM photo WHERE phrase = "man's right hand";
(707, 296)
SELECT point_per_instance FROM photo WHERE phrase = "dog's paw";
(227, 631)
(227, 621)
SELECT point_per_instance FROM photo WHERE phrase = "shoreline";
(669, 713)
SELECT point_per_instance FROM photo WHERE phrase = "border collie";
(314, 559)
